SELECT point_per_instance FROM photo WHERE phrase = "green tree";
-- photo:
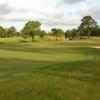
(88, 23)
(31, 28)
(42, 33)
(57, 33)
(2, 32)
(11, 31)
(95, 32)
(72, 34)
(68, 34)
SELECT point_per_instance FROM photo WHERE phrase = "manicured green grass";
(49, 70)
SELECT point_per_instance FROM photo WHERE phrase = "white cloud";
(72, 1)
(47, 12)
(5, 9)
(93, 10)
(59, 18)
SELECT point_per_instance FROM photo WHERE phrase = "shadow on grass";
(81, 70)
(29, 49)
(79, 43)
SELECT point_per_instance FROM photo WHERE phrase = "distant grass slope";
(47, 70)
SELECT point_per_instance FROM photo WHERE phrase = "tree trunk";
(89, 34)
(32, 38)
(32, 35)
(56, 38)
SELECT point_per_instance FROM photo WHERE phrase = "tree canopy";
(31, 28)
(11, 31)
(57, 32)
(87, 25)
(2, 32)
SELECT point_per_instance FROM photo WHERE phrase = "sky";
(65, 14)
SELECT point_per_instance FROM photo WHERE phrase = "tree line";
(88, 27)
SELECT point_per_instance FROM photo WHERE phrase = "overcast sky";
(52, 13)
